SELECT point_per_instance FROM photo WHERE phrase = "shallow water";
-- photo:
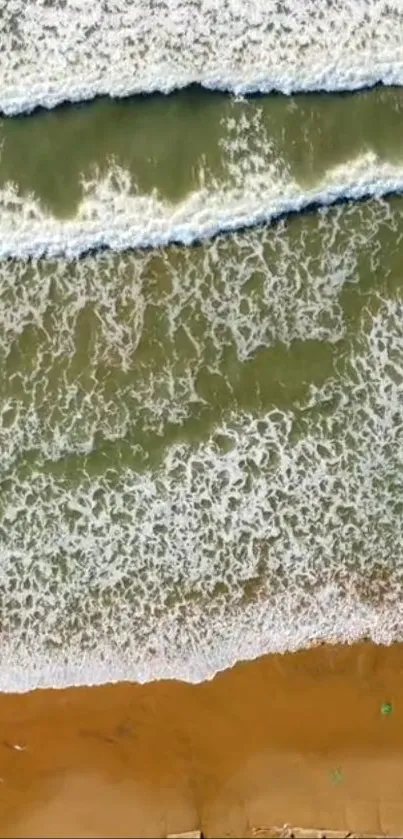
(201, 352)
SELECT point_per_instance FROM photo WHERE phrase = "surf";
(230, 561)
(111, 214)
(69, 51)
(195, 555)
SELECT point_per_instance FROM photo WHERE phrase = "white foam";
(73, 50)
(112, 215)
(297, 273)
(115, 577)
(333, 616)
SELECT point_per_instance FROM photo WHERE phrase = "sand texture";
(307, 739)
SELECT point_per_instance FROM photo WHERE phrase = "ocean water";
(201, 334)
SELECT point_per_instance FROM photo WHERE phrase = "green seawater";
(164, 141)
(189, 433)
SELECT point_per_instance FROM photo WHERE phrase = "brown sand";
(297, 739)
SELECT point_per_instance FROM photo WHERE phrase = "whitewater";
(143, 577)
(113, 215)
(201, 389)
(69, 50)
(127, 553)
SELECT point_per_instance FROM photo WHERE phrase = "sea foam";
(71, 50)
(278, 528)
(112, 215)
(259, 288)
(146, 575)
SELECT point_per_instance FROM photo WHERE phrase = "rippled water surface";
(201, 335)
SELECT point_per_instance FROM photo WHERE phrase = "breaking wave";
(69, 50)
(112, 215)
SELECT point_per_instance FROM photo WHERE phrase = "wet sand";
(301, 738)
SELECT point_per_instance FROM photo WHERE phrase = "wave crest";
(70, 50)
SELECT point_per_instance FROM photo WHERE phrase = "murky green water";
(200, 444)
(165, 142)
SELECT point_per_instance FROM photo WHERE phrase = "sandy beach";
(313, 738)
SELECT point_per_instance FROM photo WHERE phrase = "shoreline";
(306, 738)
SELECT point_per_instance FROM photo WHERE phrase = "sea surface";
(201, 333)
